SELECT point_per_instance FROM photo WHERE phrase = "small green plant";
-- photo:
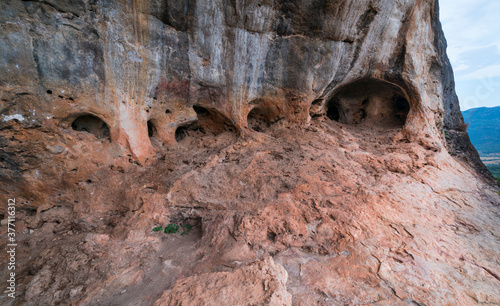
(171, 229)
(157, 229)
(186, 228)
(174, 229)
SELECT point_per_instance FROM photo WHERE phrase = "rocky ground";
(327, 215)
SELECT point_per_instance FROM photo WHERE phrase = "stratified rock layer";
(315, 149)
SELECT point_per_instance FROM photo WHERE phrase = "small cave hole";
(271, 236)
(332, 111)
(188, 225)
(260, 119)
(151, 129)
(362, 114)
(167, 111)
(201, 111)
(181, 133)
(401, 108)
(91, 124)
(49, 92)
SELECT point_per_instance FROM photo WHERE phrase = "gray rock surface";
(130, 63)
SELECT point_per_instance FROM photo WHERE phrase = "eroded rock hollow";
(292, 153)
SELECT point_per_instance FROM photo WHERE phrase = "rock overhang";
(129, 64)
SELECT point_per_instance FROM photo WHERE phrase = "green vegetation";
(186, 228)
(498, 179)
(494, 169)
(173, 229)
(484, 129)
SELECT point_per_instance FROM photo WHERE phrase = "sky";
(472, 29)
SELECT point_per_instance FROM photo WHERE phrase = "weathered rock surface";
(315, 148)
(258, 283)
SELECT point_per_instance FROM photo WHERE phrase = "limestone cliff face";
(133, 62)
(309, 144)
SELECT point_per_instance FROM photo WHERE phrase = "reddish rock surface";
(311, 153)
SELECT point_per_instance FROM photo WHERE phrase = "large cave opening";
(258, 120)
(210, 122)
(91, 124)
(263, 115)
(369, 102)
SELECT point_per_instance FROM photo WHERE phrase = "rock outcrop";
(262, 282)
(313, 152)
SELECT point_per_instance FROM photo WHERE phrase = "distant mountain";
(484, 128)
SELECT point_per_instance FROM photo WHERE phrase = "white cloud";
(461, 67)
(470, 25)
(472, 31)
(483, 73)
